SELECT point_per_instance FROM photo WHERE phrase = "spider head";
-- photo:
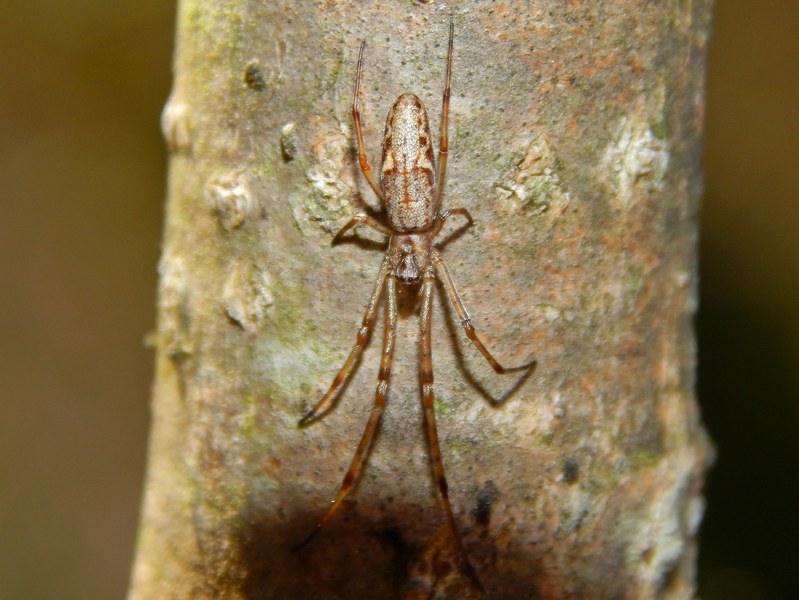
(410, 255)
(408, 271)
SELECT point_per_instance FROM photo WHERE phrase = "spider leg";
(466, 322)
(444, 215)
(380, 398)
(426, 375)
(360, 341)
(359, 220)
(356, 118)
(443, 146)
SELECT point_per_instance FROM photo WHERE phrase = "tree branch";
(574, 144)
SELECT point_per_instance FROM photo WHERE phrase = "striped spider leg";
(411, 188)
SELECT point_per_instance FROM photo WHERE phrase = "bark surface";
(575, 135)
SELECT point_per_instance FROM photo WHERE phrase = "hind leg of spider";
(377, 410)
(359, 220)
(363, 161)
(361, 338)
(426, 376)
(466, 322)
(443, 144)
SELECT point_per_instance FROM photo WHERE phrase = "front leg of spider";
(411, 188)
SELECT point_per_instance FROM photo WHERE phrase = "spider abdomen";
(407, 175)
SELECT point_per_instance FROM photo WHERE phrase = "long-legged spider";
(410, 188)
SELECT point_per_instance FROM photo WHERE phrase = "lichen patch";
(174, 321)
(328, 200)
(176, 125)
(635, 162)
(533, 186)
(232, 200)
(248, 296)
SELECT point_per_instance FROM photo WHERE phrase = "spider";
(410, 188)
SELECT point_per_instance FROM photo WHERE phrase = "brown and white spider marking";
(411, 188)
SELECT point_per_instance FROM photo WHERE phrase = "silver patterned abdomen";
(407, 176)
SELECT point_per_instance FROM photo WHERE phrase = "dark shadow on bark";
(340, 563)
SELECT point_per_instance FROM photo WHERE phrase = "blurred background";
(83, 169)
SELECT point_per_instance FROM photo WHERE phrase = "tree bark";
(574, 142)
